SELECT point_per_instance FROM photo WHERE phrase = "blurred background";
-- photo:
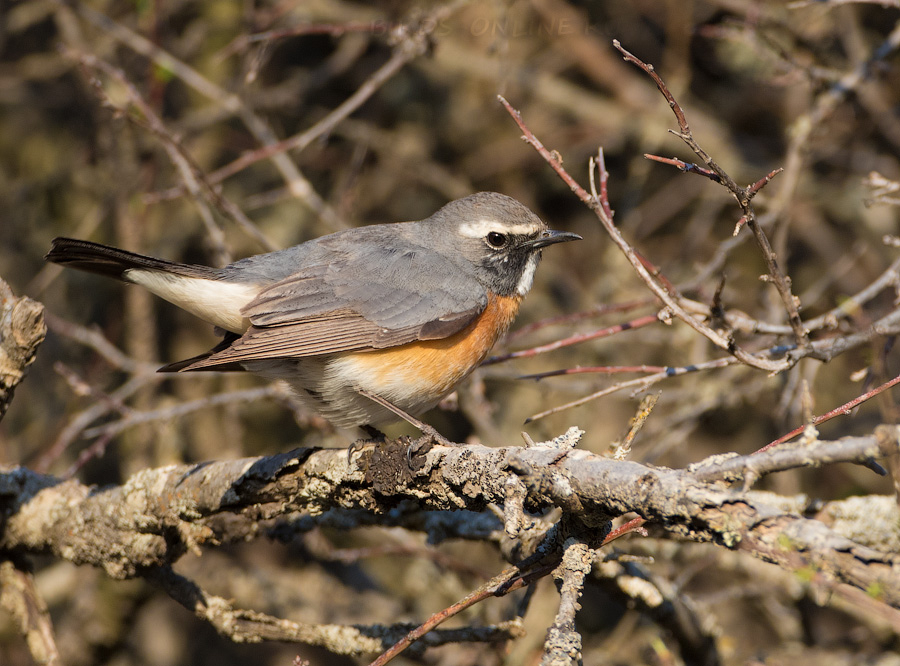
(106, 106)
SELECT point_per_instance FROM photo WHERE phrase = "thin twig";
(743, 195)
(843, 410)
(664, 294)
(94, 339)
(298, 185)
(134, 418)
(412, 43)
(816, 452)
(507, 581)
(83, 419)
(252, 626)
(596, 370)
(191, 175)
(634, 525)
(574, 340)
(575, 317)
(826, 350)
(640, 383)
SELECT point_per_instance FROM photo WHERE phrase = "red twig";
(743, 195)
(500, 585)
(837, 411)
(603, 195)
(574, 340)
(650, 276)
(599, 369)
(554, 160)
(577, 316)
(633, 525)
(758, 185)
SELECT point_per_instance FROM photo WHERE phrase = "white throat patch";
(527, 278)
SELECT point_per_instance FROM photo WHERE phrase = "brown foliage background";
(755, 79)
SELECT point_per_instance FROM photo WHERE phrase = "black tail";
(113, 262)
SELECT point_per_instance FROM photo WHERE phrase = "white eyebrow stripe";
(481, 228)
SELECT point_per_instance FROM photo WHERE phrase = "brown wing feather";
(336, 332)
(366, 297)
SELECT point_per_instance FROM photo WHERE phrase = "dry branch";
(158, 514)
(22, 330)
(20, 598)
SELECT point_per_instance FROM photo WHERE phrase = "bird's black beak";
(551, 236)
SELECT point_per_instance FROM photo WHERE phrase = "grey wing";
(374, 298)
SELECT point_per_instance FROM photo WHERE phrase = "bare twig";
(843, 410)
(743, 195)
(133, 418)
(94, 339)
(597, 369)
(599, 310)
(825, 350)
(298, 185)
(622, 449)
(763, 462)
(849, 306)
(672, 302)
(639, 384)
(668, 605)
(635, 525)
(574, 340)
(191, 174)
(412, 42)
(509, 580)
(83, 419)
(884, 190)
(503, 583)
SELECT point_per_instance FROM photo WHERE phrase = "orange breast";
(434, 367)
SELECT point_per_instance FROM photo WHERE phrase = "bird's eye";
(496, 240)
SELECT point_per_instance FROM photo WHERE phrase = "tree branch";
(22, 330)
(159, 514)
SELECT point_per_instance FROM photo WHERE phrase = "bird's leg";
(423, 427)
(373, 433)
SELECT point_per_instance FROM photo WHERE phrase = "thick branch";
(159, 513)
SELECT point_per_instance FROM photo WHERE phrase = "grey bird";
(365, 324)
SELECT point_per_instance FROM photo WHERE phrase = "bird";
(368, 325)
